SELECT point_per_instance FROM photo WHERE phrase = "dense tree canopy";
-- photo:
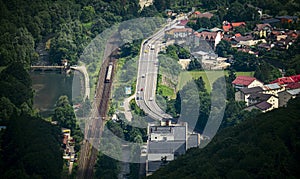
(266, 72)
(266, 146)
(31, 149)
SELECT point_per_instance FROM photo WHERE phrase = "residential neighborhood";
(68, 144)
(264, 35)
(266, 97)
(149, 89)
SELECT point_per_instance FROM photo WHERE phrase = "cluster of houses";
(265, 35)
(68, 144)
(266, 97)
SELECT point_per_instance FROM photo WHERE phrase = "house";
(212, 38)
(265, 46)
(262, 106)
(227, 27)
(178, 32)
(292, 86)
(251, 42)
(273, 89)
(246, 82)
(244, 94)
(293, 34)
(285, 96)
(272, 21)
(262, 30)
(68, 144)
(287, 19)
(198, 14)
(166, 142)
(215, 29)
(238, 24)
(287, 80)
(242, 39)
(183, 22)
(263, 102)
(245, 49)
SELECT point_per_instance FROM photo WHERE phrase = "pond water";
(49, 86)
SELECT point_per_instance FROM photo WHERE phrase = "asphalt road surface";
(147, 76)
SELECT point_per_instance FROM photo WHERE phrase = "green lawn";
(209, 77)
(165, 91)
(250, 73)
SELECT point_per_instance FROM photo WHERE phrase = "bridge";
(47, 68)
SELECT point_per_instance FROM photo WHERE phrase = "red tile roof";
(243, 80)
(237, 24)
(287, 80)
(283, 80)
(238, 35)
(296, 78)
(227, 27)
(293, 86)
(206, 35)
(197, 12)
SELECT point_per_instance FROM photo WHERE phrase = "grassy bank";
(209, 77)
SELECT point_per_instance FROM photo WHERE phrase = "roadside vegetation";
(209, 77)
(31, 146)
(248, 150)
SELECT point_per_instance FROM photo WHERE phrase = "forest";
(266, 146)
(30, 146)
(67, 26)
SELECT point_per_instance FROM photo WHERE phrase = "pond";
(49, 86)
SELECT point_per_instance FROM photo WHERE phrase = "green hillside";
(265, 147)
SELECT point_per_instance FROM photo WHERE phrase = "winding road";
(147, 75)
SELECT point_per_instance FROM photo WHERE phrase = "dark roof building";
(271, 21)
(263, 106)
(256, 89)
(166, 142)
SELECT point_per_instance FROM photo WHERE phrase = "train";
(109, 72)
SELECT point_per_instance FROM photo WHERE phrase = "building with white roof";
(166, 142)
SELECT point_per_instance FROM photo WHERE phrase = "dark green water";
(49, 86)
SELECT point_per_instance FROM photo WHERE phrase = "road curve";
(147, 76)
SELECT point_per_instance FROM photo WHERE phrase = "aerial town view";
(133, 89)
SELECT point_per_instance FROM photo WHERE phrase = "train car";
(109, 72)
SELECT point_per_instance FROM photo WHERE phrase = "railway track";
(94, 128)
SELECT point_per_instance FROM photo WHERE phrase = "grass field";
(209, 77)
(165, 91)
